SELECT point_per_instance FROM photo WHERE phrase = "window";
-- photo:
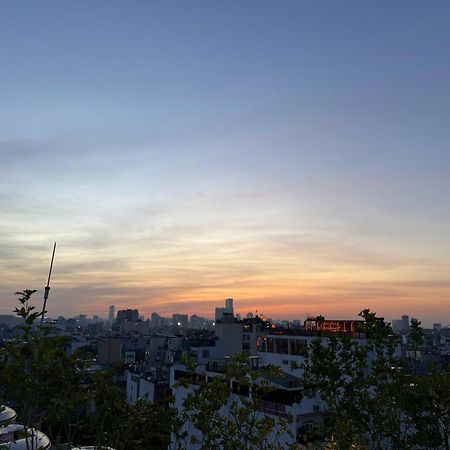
(298, 346)
(261, 344)
(281, 346)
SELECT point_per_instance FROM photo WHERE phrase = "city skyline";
(291, 156)
(401, 324)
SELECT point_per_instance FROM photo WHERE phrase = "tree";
(222, 411)
(52, 391)
(429, 409)
(40, 380)
(334, 370)
(115, 423)
(416, 335)
(361, 383)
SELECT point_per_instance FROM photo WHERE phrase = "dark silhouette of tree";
(416, 336)
(48, 389)
(223, 410)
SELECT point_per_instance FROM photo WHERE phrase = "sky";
(293, 155)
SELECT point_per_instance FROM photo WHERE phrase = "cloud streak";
(182, 155)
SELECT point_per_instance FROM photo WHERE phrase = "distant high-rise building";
(227, 310)
(198, 322)
(111, 314)
(155, 320)
(194, 318)
(180, 320)
(82, 318)
(127, 315)
(405, 323)
(397, 325)
(220, 312)
(229, 305)
(437, 326)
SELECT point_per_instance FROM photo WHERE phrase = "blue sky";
(292, 155)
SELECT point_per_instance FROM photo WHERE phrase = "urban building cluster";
(151, 352)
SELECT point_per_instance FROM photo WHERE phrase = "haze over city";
(291, 155)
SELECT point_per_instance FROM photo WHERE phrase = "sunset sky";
(293, 155)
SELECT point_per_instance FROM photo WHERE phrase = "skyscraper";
(179, 320)
(111, 315)
(229, 309)
(155, 321)
(229, 305)
(127, 315)
(405, 324)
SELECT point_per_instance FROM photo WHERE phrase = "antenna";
(47, 288)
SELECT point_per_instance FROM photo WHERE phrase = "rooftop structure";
(18, 437)
(7, 416)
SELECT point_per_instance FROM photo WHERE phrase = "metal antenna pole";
(47, 288)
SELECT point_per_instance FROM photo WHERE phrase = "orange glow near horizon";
(278, 286)
(294, 158)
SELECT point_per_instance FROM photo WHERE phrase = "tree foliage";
(222, 411)
(115, 423)
(375, 403)
(39, 379)
(53, 391)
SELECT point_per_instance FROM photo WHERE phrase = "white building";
(139, 387)
(144, 386)
(263, 348)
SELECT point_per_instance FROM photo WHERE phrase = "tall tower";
(405, 323)
(229, 305)
(111, 315)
